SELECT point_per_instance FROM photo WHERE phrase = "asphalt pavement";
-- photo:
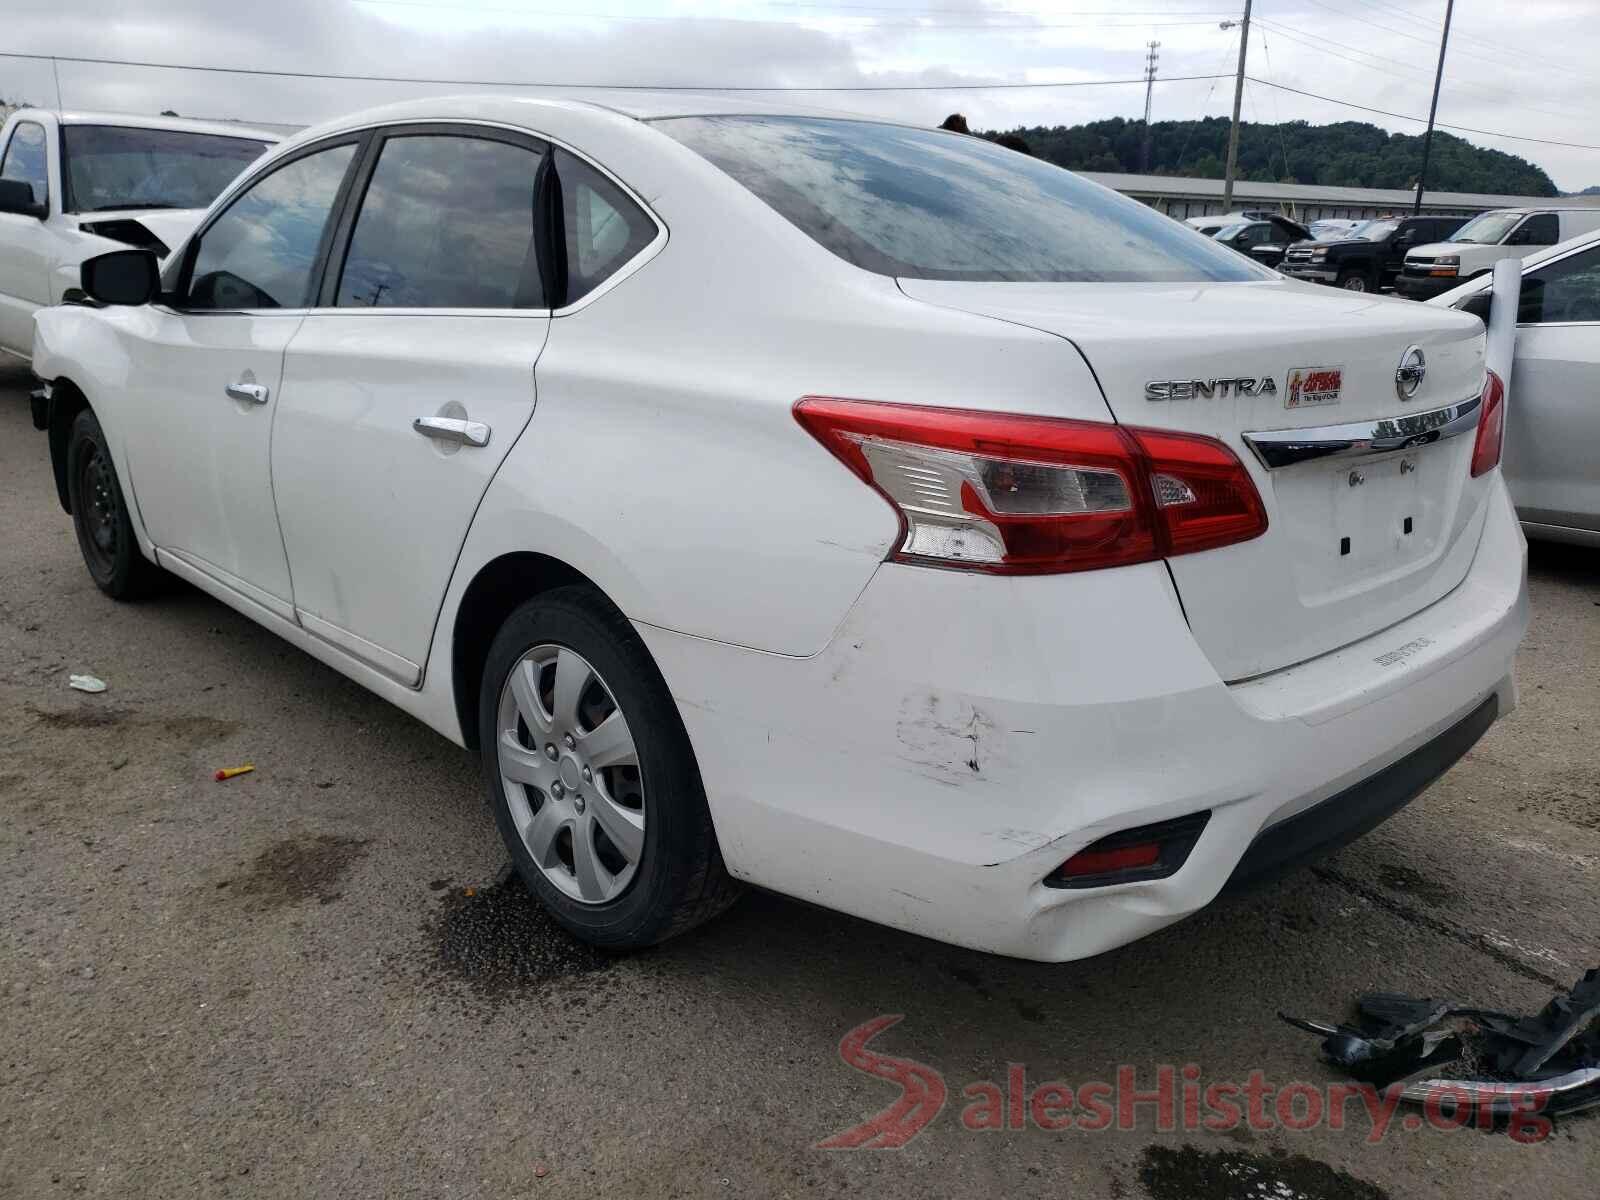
(312, 980)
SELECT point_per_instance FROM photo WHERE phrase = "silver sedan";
(1553, 407)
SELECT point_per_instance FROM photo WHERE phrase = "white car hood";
(171, 225)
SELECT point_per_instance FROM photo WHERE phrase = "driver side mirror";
(125, 277)
(17, 197)
(1478, 305)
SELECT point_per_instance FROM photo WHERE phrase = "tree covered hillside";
(1346, 154)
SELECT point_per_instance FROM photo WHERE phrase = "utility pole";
(1438, 77)
(1151, 58)
(1238, 98)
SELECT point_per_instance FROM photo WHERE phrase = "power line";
(1383, 112)
(1320, 44)
(1497, 61)
(1022, 26)
(607, 87)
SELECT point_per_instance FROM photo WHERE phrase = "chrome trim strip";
(1278, 448)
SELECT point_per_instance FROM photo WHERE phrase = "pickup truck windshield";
(922, 204)
(115, 166)
(1374, 231)
(1488, 230)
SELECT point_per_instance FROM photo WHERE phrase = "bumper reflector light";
(1132, 855)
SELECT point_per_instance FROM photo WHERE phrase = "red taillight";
(1491, 427)
(1020, 495)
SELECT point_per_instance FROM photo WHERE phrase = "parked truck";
(1369, 257)
(77, 184)
(1483, 241)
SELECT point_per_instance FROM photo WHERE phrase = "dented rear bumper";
(963, 735)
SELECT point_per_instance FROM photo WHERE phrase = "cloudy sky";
(1521, 69)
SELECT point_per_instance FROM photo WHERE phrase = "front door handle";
(254, 393)
(453, 429)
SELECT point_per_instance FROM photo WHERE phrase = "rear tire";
(611, 833)
(1354, 281)
(100, 516)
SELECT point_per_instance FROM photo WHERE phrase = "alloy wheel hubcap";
(571, 774)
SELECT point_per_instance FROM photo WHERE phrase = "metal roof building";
(1180, 197)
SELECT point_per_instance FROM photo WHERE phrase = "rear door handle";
(453, 429)
(254, 393)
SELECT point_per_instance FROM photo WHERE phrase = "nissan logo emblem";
(1408, 376)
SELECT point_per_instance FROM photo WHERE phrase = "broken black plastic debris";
(1396, 1037)
(1554, 1053)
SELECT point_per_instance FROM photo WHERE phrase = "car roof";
(521, 109)
(138, 121)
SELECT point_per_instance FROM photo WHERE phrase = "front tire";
(1354, 281)
(100, 515)
(591, 776)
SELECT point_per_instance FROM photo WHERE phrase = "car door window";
(1541, 229)
(604, 228)
(27, 161)
(262, 251)
(1568, 290)
(447, 222)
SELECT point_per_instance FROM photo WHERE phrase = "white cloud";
(1498, 76)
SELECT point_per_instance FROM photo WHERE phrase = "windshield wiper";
(134, 204)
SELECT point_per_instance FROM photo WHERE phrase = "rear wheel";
(100, 515)
(591, 777)
(1355, 281)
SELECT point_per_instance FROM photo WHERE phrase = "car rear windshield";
(923, 204)
(117, 166)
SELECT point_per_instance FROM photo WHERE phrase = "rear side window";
(27, 161)
(924, 204)
(260, 252)
(447, 222)
(604, 228)
(1568, 290)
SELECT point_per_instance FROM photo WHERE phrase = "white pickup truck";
(77, 184)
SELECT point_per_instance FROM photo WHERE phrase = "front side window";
(924, 204)
(261, 252)
(447, 222)
(112, 166)
(604, 228)
(28, 161)
(1568, 290)
(1541, 229)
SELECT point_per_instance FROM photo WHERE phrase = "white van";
(1484, 241)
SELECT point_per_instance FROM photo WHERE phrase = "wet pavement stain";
(194, 729)
(296, 870)
(1188, 1173)
(1410, 881)
(499, 942)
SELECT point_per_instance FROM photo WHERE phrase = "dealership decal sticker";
(1311, 386)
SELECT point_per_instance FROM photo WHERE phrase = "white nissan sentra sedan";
(864, 512)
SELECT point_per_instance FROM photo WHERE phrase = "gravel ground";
(310, 981)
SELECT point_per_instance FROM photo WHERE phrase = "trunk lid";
(1343, 557)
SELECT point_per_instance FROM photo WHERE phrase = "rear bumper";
(1339, 820)
(961, 736)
